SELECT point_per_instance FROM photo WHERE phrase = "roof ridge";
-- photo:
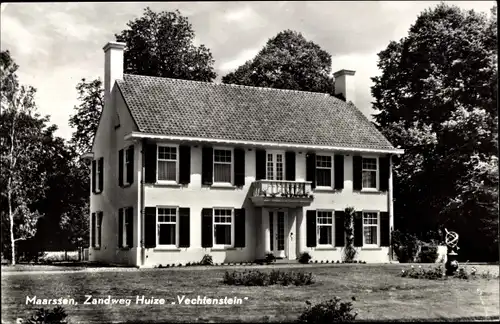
(231, 85)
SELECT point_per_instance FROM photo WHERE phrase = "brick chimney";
(344, 84)
(113, 65)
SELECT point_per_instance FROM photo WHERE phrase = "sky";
(58, 44)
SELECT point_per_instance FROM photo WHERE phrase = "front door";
(277, 225)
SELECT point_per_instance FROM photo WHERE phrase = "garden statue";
(451, 241)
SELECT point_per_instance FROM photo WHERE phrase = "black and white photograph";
(249, 162)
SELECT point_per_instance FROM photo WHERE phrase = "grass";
(381, 294)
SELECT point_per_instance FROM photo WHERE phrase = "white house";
(182, 168)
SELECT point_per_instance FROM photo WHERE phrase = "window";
(125, 226)
(275, 165)
(325, 227)
(369, 173)
(370, 228)
(127, 162)
(223, 220)
(167, 163)
(99, 178)
(223, 165)
(98, 230)
(324, 173)
(167, 226)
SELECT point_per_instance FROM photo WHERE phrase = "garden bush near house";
(428, 254)
(304, 258)
(207, 260)
(405, 245)
(270, 258)
(275, 277)
(327, 312)
(349, 251)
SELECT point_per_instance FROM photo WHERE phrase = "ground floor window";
(167, 226)
(223, 224)
(370, 228)
(98, 230)
(325, 227)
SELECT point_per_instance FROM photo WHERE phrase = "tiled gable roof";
(231, 112)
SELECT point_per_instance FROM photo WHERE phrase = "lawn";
(380, 294)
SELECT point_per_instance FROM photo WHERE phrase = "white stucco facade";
(277, 227)
(110, 138)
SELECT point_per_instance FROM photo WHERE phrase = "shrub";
(42, 316)
(270, 257)
(349, 251)
(405, 245)
(258, 278)
(433, 273)
(327, 312)
(207, 260)
(428, 254)
(304, 258)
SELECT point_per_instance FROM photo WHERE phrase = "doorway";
(277, 226)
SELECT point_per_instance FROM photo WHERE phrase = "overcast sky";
(57, 44)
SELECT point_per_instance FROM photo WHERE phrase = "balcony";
(280, 193)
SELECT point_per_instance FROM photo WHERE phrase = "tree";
(437, 99)
(161, 44)
(87, 114)
(158, 44)
(287, 61)
(21, 135)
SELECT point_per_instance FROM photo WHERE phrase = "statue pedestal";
(451, 264)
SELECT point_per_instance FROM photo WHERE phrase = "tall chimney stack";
(113, 65)
(344, 84)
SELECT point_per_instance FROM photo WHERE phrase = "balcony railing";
(276, 192)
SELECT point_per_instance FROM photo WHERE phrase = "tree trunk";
(11, 224)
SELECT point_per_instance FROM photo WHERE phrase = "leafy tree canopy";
(437, 99)
(287, 61)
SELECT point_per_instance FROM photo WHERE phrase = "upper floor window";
(167, 163)
(324, 171)
(370, 228)
(275, 165)
(223, 165)
(370, 172)
(128, 165)
(167, 226)
(325, 227)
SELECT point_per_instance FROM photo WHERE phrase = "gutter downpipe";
(142, 208)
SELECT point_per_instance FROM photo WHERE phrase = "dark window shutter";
(120, 227)
(357, 176)
(206, 228)
(358, 229)
(130, 229)
(239, 167)
(339, 228)
(150, 227)
(184, 164)
(339, 171)
(384, 173)
(93, 227)
(239, 227)
(311, 169)
(260, 164)
(184, 228)
(94, 176)
(120, 168)
(100, 165)
(290, 166)
(130, 169)
(150, 162)
(207, 165)
(384, 229)
(311, 228)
